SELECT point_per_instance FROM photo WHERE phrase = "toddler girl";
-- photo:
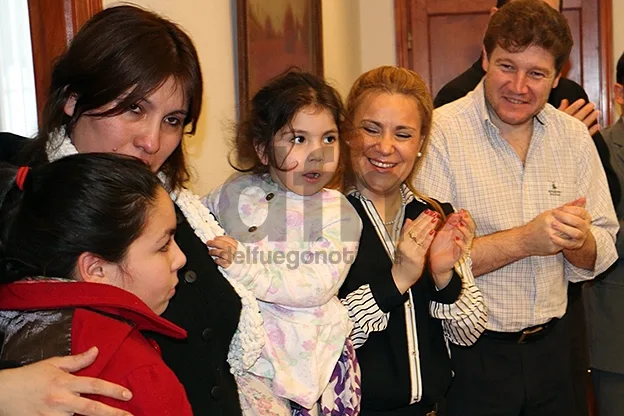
(290, 242)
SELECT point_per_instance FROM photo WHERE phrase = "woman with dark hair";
(87, 257)
(131, 83)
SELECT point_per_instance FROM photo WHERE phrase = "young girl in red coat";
(87, 258)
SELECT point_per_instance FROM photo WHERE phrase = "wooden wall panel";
(52, 26)
(456, 56)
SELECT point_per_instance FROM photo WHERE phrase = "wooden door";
(52, 26)
(440, 39)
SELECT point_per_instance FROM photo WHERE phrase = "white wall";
(342, 55)
(357, 35)
(377, 33)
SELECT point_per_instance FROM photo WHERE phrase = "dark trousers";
(577, 323)
(609, 391)
(416, 409)
(498, 377)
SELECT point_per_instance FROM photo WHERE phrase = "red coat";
(111, 319)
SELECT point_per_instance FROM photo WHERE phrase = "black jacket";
(10, 147)
(568, 89)
(205, 305)
(384, 356)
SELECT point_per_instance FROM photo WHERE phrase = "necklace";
(402, 202)
(248, 340)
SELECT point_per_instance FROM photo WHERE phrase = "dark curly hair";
(524, 23)
(273, 107)
(501, 3)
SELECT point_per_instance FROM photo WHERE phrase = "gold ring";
(414, 238)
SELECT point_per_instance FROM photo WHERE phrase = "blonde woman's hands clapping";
(452, 241)
(410, 257)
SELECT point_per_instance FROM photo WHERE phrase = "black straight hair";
(92, 202)
(619, 70)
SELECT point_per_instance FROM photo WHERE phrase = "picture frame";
(273, 36)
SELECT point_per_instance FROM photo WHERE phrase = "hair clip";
(20, 178)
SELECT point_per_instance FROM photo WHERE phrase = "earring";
(419, 154)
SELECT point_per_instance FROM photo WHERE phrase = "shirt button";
(190, 276)
(270, 196)
(252, 228)
(207, 334)
(216, 392)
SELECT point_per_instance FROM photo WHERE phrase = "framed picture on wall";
(274, 35)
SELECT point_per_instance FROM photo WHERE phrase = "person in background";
(570, 97)
(131, 83)
(531, 177)
(604, 297)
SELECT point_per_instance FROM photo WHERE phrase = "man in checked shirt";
(532, 179)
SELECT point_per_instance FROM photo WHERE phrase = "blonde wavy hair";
(391, 80)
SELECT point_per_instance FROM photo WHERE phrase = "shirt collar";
(406, 193)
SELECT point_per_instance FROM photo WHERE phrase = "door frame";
(53, 24)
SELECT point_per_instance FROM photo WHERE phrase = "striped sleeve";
(365, 313)
(465, 320)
